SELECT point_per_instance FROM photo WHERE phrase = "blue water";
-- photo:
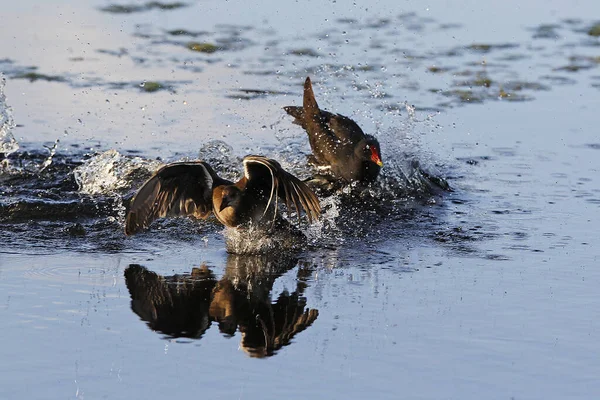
(489, 291)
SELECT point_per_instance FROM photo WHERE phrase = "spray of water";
(110, 172)
(8, 144)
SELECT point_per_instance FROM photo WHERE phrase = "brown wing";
(266, 176)
(183, 188)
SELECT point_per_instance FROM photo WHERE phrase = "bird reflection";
(185, 305)
(174, 305)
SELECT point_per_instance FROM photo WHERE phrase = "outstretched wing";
(182, 188)
(267, 177)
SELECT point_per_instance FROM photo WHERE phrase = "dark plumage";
(241, 301)
(337, 142)
(194, 189)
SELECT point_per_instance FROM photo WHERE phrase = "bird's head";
(371, 151)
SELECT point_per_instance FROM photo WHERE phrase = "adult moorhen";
(337, 142)
(194, 189)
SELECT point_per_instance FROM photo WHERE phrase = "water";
(8, 144)
(404, 290)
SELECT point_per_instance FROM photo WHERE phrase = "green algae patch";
(203, 47)
(365, 68)
(594, 30)
(133, 8)
(251, 94)
(486, 48)
(437, 70)
(573, 68)
(35, 76)
(518, 86)
(304, 52)
(151, 86)
(185, 32)
(166, 6)
(482, 81)
(479, 80)
(509, 96)
(464, 96)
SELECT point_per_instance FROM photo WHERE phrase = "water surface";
(489, 290)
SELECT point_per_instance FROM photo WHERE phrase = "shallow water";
(489, 290)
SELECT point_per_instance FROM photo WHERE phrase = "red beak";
(375, 156)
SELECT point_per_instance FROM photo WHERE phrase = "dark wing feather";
(343, 127)
(266, 176)
(183, 188)
(297, 113)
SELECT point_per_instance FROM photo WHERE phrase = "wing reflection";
(185, 305)
(174, 305)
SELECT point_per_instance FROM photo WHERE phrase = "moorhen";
(194, 189)
(337, 142)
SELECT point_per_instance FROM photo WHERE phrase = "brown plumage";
(337, 142)
(194, 189)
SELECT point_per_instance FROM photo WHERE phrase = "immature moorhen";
(194, 189)
(337, 142)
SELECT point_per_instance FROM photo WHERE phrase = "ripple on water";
(72, 274)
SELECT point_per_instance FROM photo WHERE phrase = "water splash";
(48, 161)
(8, 144)
(110, 172)
(325, 227)
(252, 240)
(220, 156)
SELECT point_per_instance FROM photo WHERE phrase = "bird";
(194, 189)
(337, 142)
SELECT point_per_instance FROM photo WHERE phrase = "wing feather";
(183, 188)
(265, 175)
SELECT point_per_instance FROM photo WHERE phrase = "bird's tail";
(311, 108)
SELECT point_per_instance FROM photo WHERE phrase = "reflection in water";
(175, 305)
(185, 305)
